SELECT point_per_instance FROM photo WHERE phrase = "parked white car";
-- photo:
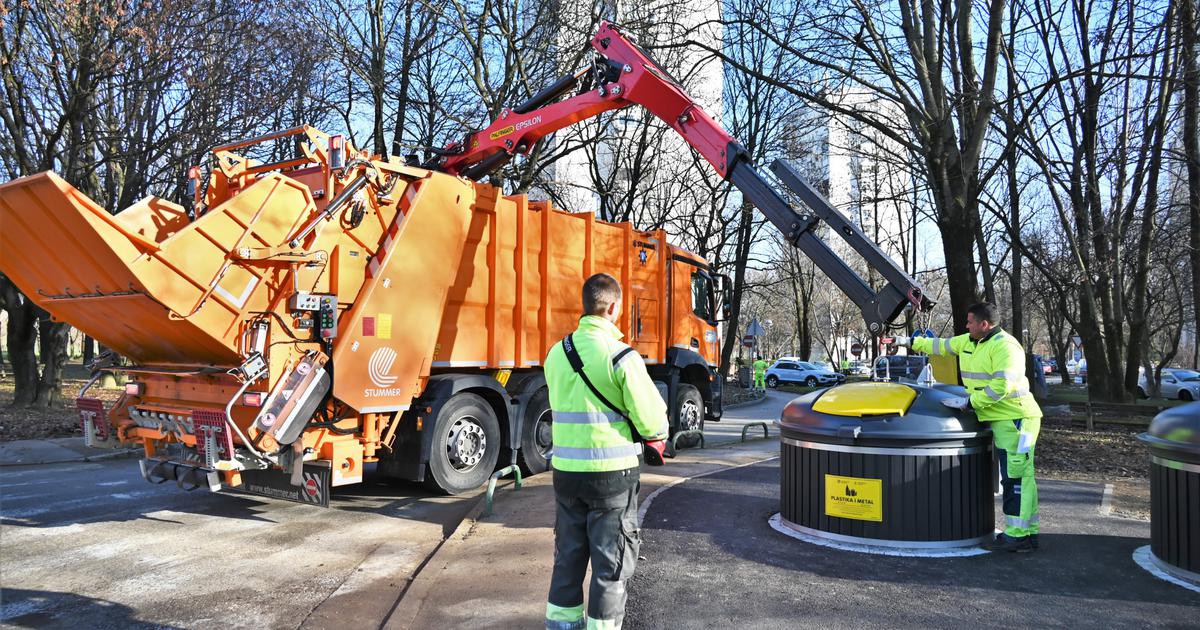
(860, 368)
(785, 371)
(1176, 383)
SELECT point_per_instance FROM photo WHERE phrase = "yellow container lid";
(866, 399)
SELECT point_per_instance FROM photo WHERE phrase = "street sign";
(755, 329)
(856, 349)
(748, 341)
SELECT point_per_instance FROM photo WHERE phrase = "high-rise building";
(870, 178)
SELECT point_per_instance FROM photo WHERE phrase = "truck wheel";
(466, 445)
(536, 434)
(689, 407)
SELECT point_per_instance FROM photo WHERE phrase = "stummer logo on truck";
(379, 368)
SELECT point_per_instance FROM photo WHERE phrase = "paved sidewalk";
(494, 572)
(56, 451)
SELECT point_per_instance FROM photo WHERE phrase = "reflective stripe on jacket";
(588, 436)
(760, 367)
(992, 370)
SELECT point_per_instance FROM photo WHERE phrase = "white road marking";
(1106, 502)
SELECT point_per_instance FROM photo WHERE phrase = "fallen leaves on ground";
(60, 420)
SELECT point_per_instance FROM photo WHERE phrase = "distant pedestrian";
(596, 460)
(760, 374)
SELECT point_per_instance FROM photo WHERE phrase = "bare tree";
(935, 73)
(1095, 132)
(120, 97)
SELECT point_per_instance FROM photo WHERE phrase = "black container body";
(930, 496)
(1175, 516)
(1174, 441)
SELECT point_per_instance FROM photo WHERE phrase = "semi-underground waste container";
(886, 464)
(1174, 441)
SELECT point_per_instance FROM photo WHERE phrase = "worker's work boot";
(1004, 542)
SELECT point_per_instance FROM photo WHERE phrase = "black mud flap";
(277, 484)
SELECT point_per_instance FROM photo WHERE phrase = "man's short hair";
(600, 291)
(984, 312)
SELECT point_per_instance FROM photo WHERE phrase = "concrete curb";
(748, 403)
(129, 453)
(46, 451)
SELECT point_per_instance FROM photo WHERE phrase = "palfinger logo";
(380, 365)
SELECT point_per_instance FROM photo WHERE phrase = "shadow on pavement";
(86, 502)
(50, 609)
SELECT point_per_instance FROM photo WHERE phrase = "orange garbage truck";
(337, 309)
(301, 318)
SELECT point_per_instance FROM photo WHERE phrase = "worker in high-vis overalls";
(992, 367)
(596, 461)
(760, 374)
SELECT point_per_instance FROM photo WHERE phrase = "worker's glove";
(654, 452)
(961, 403)
(903, 342)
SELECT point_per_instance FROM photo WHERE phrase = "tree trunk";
(22, 335)
(54, 339)
(960, 267)
(733, 336)
(1190, 35)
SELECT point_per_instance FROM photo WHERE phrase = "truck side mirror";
(726, 288)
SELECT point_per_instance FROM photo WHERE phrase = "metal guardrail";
(751, 425)
(1122, 409)
(691, 433)
(491, 491)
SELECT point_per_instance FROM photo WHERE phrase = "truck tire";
(536, 442)
(466, 445)
(689, 410)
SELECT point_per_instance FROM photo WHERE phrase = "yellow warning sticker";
(500, 133)
(383, 327)
(853, 497)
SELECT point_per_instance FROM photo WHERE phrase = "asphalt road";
(729, 429)
(94, 545)
(713, 561)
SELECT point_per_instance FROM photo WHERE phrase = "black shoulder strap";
(621, 355)
(576, 362)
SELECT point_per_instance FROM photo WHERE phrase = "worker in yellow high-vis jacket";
(991, 364)
(760, 373)
(596, 461)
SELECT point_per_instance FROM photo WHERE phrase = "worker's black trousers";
(604, 530)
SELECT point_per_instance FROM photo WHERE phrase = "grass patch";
(1066, 394)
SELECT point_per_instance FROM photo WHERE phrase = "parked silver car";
(1175, 383)
(785, 371)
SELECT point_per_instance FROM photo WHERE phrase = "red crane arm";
(629, 77)
(623, 75)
